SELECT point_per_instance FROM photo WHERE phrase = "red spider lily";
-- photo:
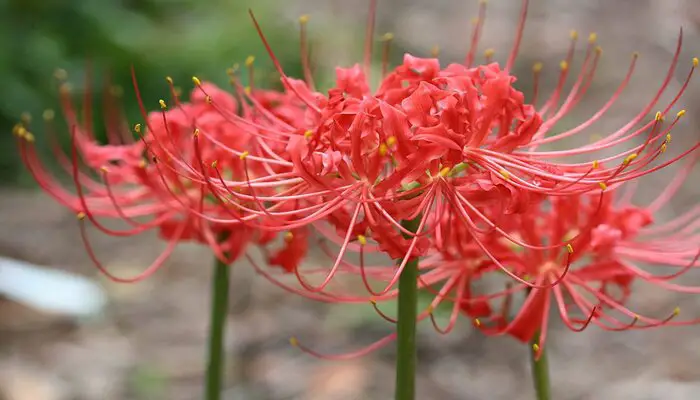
(433, 140)
(455, 149)
(597, 286)
(611, 236)
(161, 181)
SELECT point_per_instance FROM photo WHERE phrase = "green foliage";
(179, 38)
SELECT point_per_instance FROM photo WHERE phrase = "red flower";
(293, 251)
(175, 178)
(455, 149)
(607, 243)
(459, 135)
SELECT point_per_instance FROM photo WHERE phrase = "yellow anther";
(663, 147)
(29, 137)
(230, 71)
(293, 341)
(488, 53)
(26, 117)
(676, 311)
(169, 80)
(505, 174)
(429, 309)
(526, 277)
(483, 2)
(388, 37)
(18, 130)
(390, 141)
(668, 138)
(308, 134)
(196, 81)
(599, 50)
(630, 158)
(195, 133)
(564, 65)
(244, 155)
(249, 61)
(475, 21)
(603, 186)
(65, 88)
(214, 163)
(208, 99)
(569, 248)
(435, 51)
(137, 128)
(537, 67)
(383, 149)
(104, 169)
(288, 236)
(373, 301)
(48, 115)
(247, 90)
(535, 347)
(142, 163)
(695, 61)
(680, 113)
(635, 54)
(443, 172)
(659, 116)
(573, 34)
(477, 322)
(80, 216)
(362, 239)
(304, 19)
(163, 106)
(592, 38)
(596, 164)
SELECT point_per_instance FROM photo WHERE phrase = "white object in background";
(48, 290)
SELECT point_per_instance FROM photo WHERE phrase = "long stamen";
(304, 50)
(278, 66)
(518, 36)
(369, 36)
(476, 34)
(386, 48)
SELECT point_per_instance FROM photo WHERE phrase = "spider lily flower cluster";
(456, 149)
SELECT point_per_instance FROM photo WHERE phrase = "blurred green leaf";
(177, 38)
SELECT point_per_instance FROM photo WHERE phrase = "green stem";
(219, 311)
(406, 325)
(540, 370)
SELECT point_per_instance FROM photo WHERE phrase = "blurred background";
(147, 339)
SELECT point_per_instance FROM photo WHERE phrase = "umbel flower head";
(441, 163)
(456, 150)
(161, 180)
(457, 141)
(617, 244)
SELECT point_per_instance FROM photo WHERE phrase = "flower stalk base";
(219, 311)
(406, 325)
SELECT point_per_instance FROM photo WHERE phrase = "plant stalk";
(540, 370)
(406, 325)
(219, 311)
